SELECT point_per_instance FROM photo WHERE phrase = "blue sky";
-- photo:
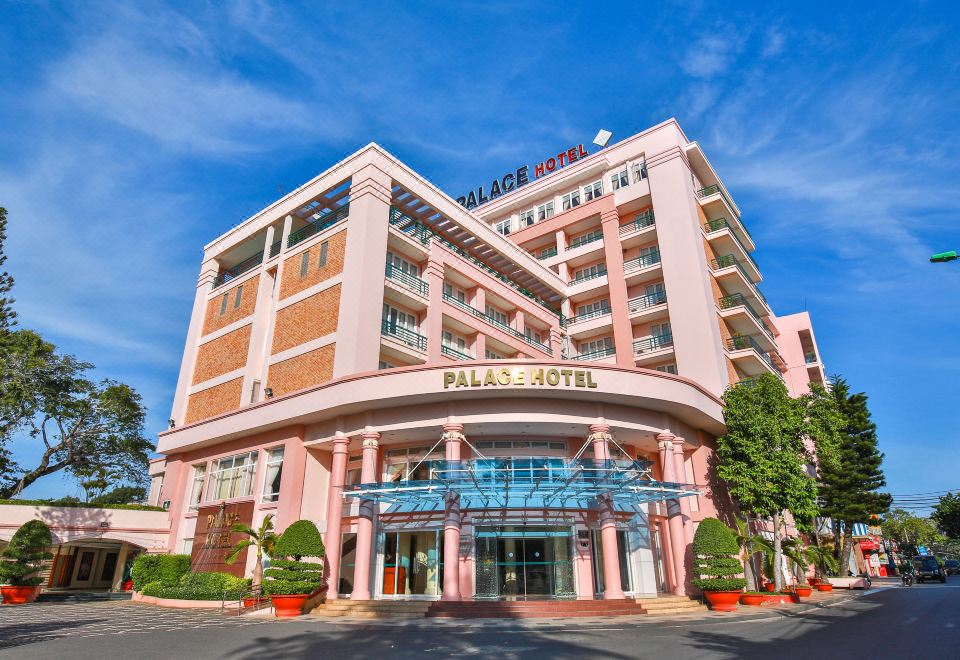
(133, 133)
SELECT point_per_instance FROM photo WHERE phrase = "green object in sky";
(944, 256)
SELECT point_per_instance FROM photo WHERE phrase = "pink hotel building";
(519, 400)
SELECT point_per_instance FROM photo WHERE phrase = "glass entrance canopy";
(524, 483)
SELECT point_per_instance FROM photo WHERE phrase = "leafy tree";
(714, 557)
(910, 531)
(29, 546)
(84, 425)
(263, 539)
(763, 455)
(947, 515)
(849, 485)
(122, 495)
(8, 317)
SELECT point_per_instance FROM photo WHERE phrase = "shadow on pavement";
(18, 634)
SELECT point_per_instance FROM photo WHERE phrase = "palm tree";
(262, 539)
(821, 556)
(796, 551)
(746, 541)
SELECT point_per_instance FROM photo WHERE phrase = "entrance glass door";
(411, 565)
(516, 562)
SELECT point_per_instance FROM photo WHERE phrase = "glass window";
(596, 345)
(187, 546)
(304, 263)
(619, 180)
(232, 477)
(497, 315)
(223, 304)
(526, 218)
(503, 226)
(593, 190)
(660, 329)
(236, 298)
(491, 355)
(545, 211)
(454, 292)
(589, 271)
(570, 200)
(271, 484)
(386, 365)
(323, 255)
(196, 488)
(395, 318)
(403, 265)
(535, 335)
(597, 307)
(668, 368)
(639, 171)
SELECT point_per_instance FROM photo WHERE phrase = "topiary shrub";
(163, 569)
(301, 539)
(201, 586)
(29, 546)
(715, 562)
(286, 577)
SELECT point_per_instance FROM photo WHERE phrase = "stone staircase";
(666, 604)
(532, 609)
(81, 596)
(373, 609)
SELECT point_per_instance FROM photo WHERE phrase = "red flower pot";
(127, 586)
(723, 601)
(19, 595)
(751, 599)
(250, 602)
(803, 592)
(813, 581)
(824, 586)
(770, 586)
(288, 606)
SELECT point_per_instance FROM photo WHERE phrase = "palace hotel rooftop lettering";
(535, 377)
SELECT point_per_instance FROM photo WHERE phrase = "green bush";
(201, 586)
(29, 546)
(714, 558)
(301, 539)
(285, 577)
(74, 503)
(164, 569)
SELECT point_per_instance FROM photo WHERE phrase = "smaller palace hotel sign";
(523, 377)
(521, 177)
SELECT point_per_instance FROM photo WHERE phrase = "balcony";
(641, 303)
(603, 311)
(748, 346)
(585, 239)
(243, 267)
(810, 357)
(652, 344)
(730, 261)
(642, 221)
(641, 262)
(600, 272)
(738, 300)
(546, 254)
(473, 311)
(318, 225)
(411, 282)
(275, 249)
(592, 356)
(455, 353)
(403, 335)
(716, 225)
(409, 227)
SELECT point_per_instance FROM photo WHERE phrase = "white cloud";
(711, 54)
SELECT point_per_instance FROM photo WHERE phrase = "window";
(639, 171)
(454, 292)
(660, 330)
(497, 315)
(491, 355)
(236, 298)
(386, 365)
(232, 477)
(590, 271)
(304, 263)
(223, 304)
(520, 444)
(619, 180)
(401, 264)
(535, 335)
(395, 318)
(655, 289)
(545, 211)
(410, 464)
(196, 488)
(187, 547)
(596, 345)
(323, 255)
(592, 191)
(596, 308)
(668, 368)
(255, 391)
(570, 200)
(454, 341)
(503, 226)
(526, 218)
(271, 484)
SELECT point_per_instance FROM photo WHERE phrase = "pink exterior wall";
(146, 529)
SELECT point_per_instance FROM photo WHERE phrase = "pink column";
(680, 474)
(432, 323)
(452, 436)
(361, 573)
(600, 437)
(678, 544)
(331, 539)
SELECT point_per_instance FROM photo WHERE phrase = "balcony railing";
(651, 344)
(739, 300)
(417, 230)
(406, 279)
(635, 305)
(644, 261)
(455, 353)
(318, 225)
(643, 220)
(585, 239)
(746, 342)
(407, 336)
(600, 272)
(546, 254)
(603, 311)
(727, 260)
(714, 189)
(715, 225)
(275, 249)
(810, 357)
(470, 309)
(238, 270)
(598, 354)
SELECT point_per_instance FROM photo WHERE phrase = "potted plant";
(803, 590)
(821, 556)
(290, 582)
(824, 586)
(29, 546)
(264, 540)
(754, 598)
(715, 565)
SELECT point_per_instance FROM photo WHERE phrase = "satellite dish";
(603, 137)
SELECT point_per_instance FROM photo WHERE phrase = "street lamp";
(943, 257)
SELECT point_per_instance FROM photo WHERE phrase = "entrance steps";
(530, 609)
(670, 604)
(373, 609)
(81, 596)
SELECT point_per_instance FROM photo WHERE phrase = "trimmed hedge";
(201, 586)
(165, 570)
(28, 547)
(301, 539)
(285, 577)
(81, 505)
(714, 558)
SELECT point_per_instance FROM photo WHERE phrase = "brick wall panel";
(222, 355)
(292, 281)
(309, 319)
(214, 401)
(305, 370)
(213, 321)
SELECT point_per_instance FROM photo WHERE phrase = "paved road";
(919, 622)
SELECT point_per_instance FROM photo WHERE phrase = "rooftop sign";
(513, 180)
(505, 376)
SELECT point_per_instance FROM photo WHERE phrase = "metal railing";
(598, 354)
(746, 342)
(546, 254)
(408, 225)
(603, 311)
(470, 309)
(318, 225)
(455, 353)
(275, 249)
(405, 335)
(643, 302)
(739, 300)
(643, 220)
(600, 272)
(643, 261)
(592, 237)
(715, 225)
(651, 344)
(406, 279)
(244, 266)
(713, 190)
(728, 260)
